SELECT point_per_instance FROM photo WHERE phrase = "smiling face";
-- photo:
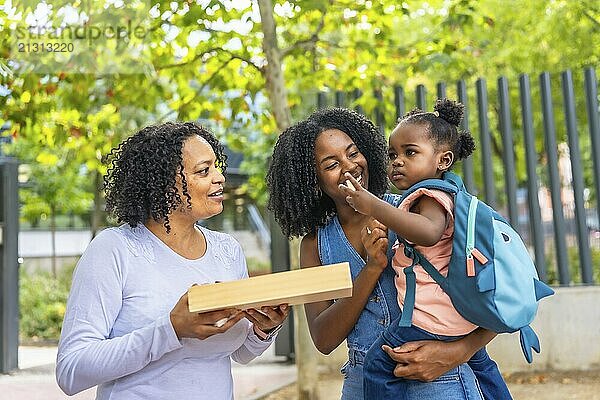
(204, 180)
(413, 156)
(336, 154)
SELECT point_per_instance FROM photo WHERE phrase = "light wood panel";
(290, 287)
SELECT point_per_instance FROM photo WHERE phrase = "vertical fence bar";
(486, 146)
(340, 98)
(321, 100)
(467, 163)
(558, 217)
(422, 97)
(591, 91)
(583, 238)
(379, 115)
(535, 217)
(399, 101)
(441, 90)
(357, 94)
(508, 153)
(9, 267)
(280, 261)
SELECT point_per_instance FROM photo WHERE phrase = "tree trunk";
(306, 360)
(306, 353)
(306, 357)
(273, 73)
(304, 349)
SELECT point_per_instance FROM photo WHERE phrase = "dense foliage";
(42, 303)
(206, 61)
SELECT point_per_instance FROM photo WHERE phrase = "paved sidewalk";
(35, 378)
(563, 385)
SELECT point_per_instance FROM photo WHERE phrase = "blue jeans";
(457, 383)
(486, 371)
(488, 375)
(352, 388)
(381, 384)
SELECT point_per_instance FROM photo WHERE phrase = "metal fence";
(537, 161)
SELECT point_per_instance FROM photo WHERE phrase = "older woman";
(127, 327)
(310, 160)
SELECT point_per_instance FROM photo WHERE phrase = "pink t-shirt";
(433, 311)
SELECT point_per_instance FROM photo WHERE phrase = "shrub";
(43, 299)
(42, 303)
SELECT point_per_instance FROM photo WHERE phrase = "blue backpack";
(491, 280)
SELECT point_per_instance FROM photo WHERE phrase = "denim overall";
(382, 308)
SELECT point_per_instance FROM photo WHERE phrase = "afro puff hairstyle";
(141, 179)
(442, 127)
(297, 203)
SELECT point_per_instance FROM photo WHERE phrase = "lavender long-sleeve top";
(117, 333)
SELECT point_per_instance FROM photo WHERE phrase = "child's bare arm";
(424, 227)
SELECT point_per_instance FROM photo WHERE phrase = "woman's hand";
(268, 318)
(201, 325)
(426, 360)
(375, 239)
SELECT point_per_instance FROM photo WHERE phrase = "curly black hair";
(140, 181)
(442, 126)
(297, 203)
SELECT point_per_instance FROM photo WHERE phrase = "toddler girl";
(423, 145)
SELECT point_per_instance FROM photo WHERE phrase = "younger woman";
(422, 146)
(309, 162)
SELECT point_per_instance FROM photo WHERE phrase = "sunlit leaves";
(207, 62)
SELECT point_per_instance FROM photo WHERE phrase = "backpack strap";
(452, 184)
(431, 270)
(454, 179)
(411, 288)
(439, 184)
(411, 282)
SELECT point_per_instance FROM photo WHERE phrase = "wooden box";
(300, 286)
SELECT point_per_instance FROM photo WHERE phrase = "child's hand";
(358, 197)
